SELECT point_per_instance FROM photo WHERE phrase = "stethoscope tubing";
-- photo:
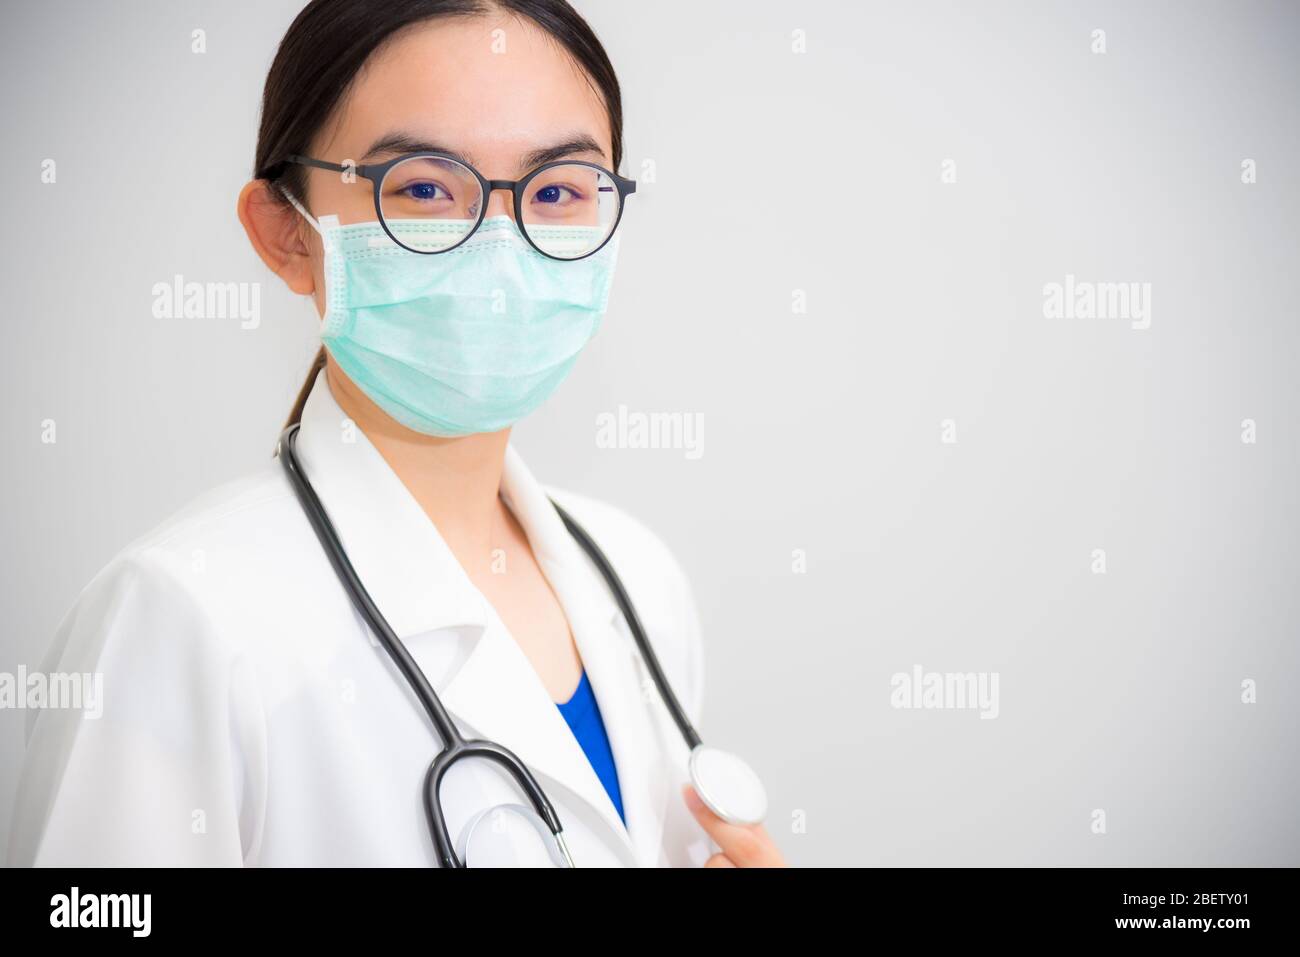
(338, 557)
(455, 745)
(634, 623)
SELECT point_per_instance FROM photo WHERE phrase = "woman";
(438, 176)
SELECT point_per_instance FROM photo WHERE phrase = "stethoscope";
(727, 785)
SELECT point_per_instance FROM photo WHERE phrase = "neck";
(456, 481)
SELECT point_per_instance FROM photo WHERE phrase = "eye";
(555, 194)
(424, 192)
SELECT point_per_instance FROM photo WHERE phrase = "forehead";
(492, 88)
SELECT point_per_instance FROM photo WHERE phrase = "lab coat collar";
(421, 588)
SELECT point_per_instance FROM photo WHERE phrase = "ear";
(279, 235)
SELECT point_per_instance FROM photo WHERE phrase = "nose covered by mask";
(464, 341)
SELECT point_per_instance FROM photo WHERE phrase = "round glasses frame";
(375, 172)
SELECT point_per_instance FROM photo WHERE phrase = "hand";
(743, 845)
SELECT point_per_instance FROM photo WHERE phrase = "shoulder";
(171, 624)
(197, 578)
(222, 538)
(657, 583)
(231, 511)
(148, 653)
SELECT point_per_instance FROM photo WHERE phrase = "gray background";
(778, 171)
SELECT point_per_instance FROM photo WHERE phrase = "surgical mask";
(459, 342)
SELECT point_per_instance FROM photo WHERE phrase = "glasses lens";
(430, 204)
(569, 210)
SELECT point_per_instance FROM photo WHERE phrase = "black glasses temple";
(322, 164)
(276, 170)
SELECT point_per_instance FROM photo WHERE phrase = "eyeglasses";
(431, 202)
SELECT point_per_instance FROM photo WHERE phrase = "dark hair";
(329, 42)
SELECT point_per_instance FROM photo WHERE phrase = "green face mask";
(469, 340)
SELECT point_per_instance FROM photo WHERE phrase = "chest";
(529, 610)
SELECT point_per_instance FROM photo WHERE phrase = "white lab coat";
(250, 718)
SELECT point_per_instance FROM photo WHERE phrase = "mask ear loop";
(326, 241)
(298, 206)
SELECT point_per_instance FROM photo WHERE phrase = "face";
(497, 92)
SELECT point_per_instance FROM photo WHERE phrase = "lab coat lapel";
(625, 699)
(625, 703)
(482, 676)
(497, 695)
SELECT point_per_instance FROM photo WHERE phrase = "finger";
(747, 845)
(719, 860)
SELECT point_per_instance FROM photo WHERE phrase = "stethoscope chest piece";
(511, 835)
(727, 785)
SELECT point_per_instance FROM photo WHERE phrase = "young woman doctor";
(439, 176)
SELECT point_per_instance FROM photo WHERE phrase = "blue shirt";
(583, 717)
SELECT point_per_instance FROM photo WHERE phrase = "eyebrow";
(402, 142)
